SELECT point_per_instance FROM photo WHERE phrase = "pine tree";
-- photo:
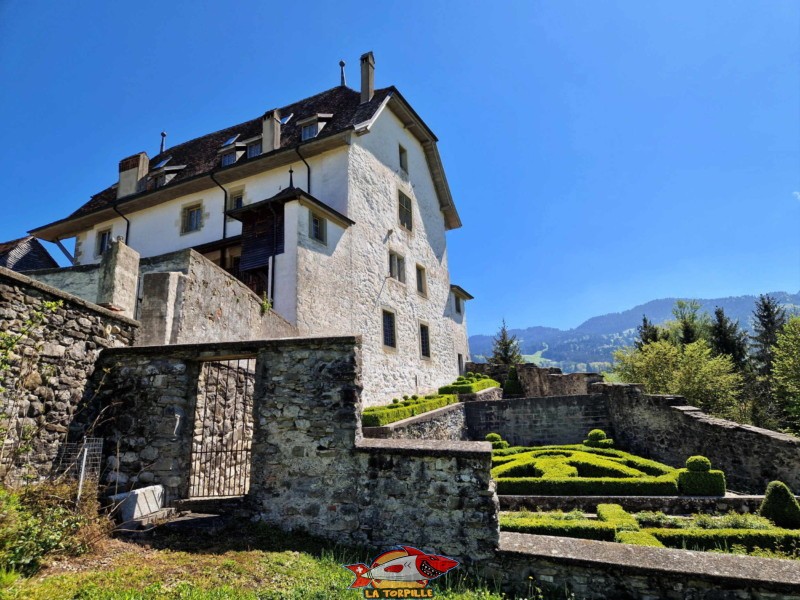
(692, 324)
(647, 333)
(769, 318)
(505, 350)
(727, 338)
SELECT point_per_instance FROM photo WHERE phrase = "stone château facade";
(333, 209)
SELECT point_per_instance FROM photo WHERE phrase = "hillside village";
(259, 330)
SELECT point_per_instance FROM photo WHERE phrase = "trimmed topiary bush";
(780, 506)
(701, 483)
(512, 386)
(377, 416)
(597, 439)
(618, 516)
(584, 528)
(698, 464)
(470, 385)
(493, 437)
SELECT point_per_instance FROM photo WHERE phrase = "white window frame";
(228, 159)
(309, 131)
(403, 159)
(251, 149)
(99, 247)
(397, 266)
(323, 239)
(185, 222)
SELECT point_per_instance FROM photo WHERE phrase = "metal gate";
(223, 429)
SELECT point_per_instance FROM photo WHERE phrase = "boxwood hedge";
(637, 538)
(723, 539)
(376, 416)
(583, 528)
(468, 386)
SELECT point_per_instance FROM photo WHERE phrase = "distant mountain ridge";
(590, 345)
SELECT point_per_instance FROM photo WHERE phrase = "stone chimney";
(271, 134)
(367, 77)
(132, 173)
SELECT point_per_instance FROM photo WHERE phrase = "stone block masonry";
(539, 421)
(446, 423)
(665, 429)
(310, 468)
(50, 355)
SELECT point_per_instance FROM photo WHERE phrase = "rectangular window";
(422, 282)
(424, 341)
(403, 160)
(406, 218)
(460, 364)
(459, 306)
(237, 200)
(317, 228)
(389, 334)
(308, 132)
(103, 242)
(228, 158)
(397, 267)
(192, 219)
(254, 149)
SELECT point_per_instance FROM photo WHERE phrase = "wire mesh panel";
(223, 429)
(80, 460)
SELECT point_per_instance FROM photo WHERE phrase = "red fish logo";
(403, 567)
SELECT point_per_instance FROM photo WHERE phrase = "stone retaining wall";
(539, 421)
(540, 381)
(599, 570)
(665, 429)
(49, 364)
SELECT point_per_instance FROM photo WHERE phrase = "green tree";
(707, 381)
(648, 332)
(692, 325)
(769, 317)
(786, 370)
(726, 338)
(505, 349)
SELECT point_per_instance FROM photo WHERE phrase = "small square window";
(228, 158)
(192, 219)
(253, 149)
(389, 333)
(403, 160)
(237, 200)
(422, 281)
(309, 131)
(397, 267)
(317, 228)
(404, 209)
(424, 341)
(459, 305)
(103, 242)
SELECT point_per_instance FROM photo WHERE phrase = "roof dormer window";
(228, 158)
(254, 149)
(311, 126)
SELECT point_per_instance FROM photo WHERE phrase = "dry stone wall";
(540, 381)
(665, 429)
(50, 354)
(539, 421)
(310, 468)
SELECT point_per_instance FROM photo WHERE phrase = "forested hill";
(590, 344)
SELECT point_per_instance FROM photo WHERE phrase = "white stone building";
(335, 207)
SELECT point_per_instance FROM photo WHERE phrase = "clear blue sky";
(601, 154)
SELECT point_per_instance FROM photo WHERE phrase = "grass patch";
(245, 562)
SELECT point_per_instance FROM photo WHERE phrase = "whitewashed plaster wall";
(157, 230)
(375, 180)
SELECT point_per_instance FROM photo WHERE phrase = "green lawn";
(250, 563)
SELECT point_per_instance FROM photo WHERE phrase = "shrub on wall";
(780, 506)
(512, 386)
(469, 384)
(377, 416)
(638, 538)
(724, 539)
